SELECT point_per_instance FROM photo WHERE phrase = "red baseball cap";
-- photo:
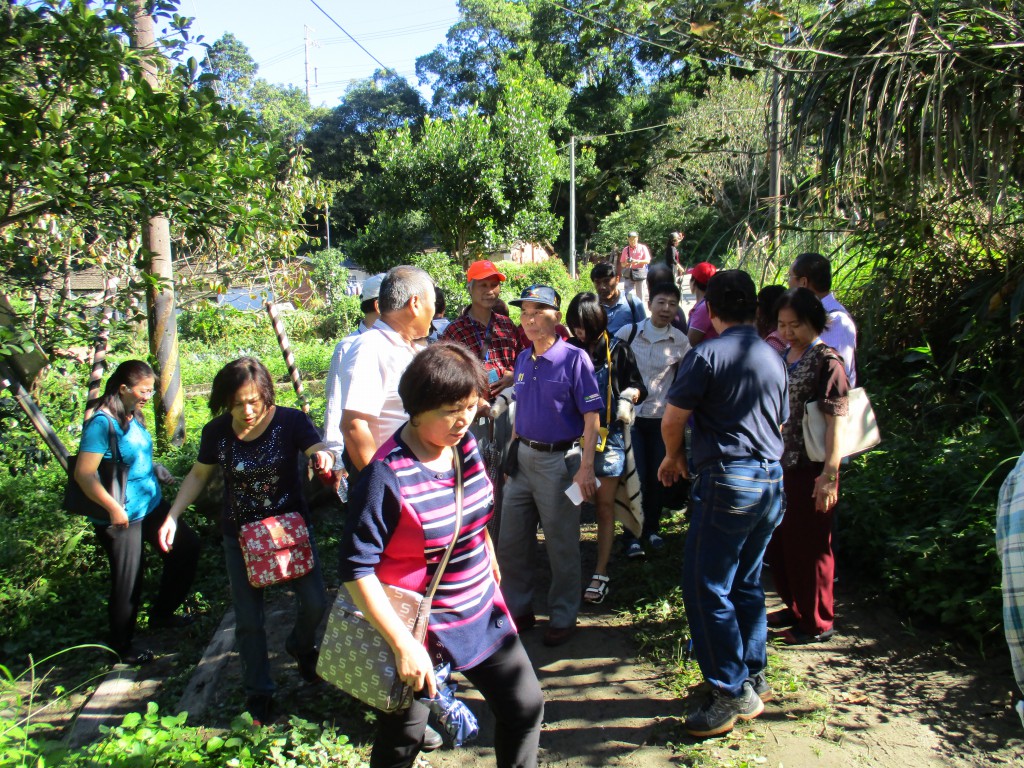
(702, 272)
(480, 270)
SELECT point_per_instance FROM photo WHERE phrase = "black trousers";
(509, 686)
(127, 557)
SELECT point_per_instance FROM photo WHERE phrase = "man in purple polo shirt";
(557, 402)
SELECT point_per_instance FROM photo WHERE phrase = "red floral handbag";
(276, 549)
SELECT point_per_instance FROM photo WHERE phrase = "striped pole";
(9, 379)
(289, 358)
(99, 351)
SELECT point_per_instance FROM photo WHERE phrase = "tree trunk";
(156, 245)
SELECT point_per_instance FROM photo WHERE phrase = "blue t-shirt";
(142, 493)
(628, 309)
(261, 476)
(737, 388)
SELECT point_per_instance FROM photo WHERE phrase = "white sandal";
(595, 595)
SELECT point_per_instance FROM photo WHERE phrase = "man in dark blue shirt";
(735, 388)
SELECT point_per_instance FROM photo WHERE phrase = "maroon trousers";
(800, 553)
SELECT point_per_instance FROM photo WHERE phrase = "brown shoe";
(558, 635)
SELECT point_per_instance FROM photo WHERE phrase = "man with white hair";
(371, 368)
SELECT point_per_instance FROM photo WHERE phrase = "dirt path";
(877, 695)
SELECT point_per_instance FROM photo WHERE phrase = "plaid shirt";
(504, 347)
(1010, 546)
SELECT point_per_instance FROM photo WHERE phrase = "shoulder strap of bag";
(419, 630)
(631, 300)
(633, 329)
(112, 442)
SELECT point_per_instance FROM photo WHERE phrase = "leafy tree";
(282, 109)
(341, 143)
(478, 179)
(88, 150)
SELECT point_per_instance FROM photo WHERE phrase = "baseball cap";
(539, 294)
(371, 287)
(702, 272)
(480, 270)
(633, 234)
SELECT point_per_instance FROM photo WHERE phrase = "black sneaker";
(719, 713)
(306, 662)
(261, 707)
(760, 685)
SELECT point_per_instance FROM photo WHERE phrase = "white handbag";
(859, 429)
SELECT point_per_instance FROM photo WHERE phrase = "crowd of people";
(622, 401)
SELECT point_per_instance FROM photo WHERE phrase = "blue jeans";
(250, 633)
(735, 507)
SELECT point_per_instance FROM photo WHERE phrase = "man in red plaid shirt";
(488, 335)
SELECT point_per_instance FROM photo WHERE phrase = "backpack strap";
(633, 329)
(631, 300)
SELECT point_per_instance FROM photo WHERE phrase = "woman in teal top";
(122, 534)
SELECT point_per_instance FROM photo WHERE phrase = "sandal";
(595, 595)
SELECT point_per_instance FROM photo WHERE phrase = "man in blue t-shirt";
(622, 309)
(735, 388)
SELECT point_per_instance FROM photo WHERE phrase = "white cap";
(371, 287)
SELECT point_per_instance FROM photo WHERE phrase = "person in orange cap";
(491, 337)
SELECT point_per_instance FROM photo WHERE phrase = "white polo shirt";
(370, 371)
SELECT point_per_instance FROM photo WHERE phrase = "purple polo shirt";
(552, 392)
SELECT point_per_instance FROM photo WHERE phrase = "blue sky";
(395, 31)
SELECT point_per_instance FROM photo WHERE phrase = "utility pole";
(156, 247)
(308, 44)
(572, 207)
(775, 148)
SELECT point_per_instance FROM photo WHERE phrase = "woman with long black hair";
(121, 535)
(616, 371)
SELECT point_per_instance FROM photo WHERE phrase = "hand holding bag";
(113, 476)
(859, 431)
(355, 656)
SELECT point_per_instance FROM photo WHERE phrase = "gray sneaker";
(720, 711)
(760, 685)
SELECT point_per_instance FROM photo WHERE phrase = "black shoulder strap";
(632, 332)
(631, 300)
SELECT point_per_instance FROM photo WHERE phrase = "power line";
(361, 46)
(676, 121)
(397, 31)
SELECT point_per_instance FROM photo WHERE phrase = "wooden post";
(99, 350)
(156, 242)
(9, 379)
(289, 358)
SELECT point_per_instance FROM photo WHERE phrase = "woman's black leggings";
(509, 686)
(127, 556)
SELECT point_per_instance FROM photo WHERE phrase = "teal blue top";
(143, 492)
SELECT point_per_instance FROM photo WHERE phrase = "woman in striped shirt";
(401, 520)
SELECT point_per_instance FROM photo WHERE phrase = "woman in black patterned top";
(256, 443)
(800, 552)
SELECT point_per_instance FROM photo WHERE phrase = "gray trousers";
(537, 494)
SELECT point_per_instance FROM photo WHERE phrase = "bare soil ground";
(878, 695)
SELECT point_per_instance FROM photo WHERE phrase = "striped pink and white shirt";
(402, 518)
